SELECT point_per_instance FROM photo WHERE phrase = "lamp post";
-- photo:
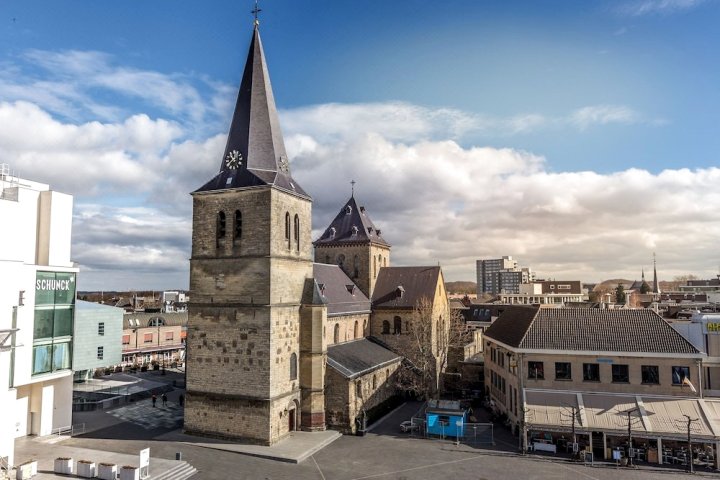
(630, 448)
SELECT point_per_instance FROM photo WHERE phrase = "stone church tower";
(251, 259)
(354, 243)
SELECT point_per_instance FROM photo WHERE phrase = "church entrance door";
(291, 420)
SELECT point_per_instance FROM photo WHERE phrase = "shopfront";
(53, 325)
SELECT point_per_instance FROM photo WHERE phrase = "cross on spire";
(352, 188)
(255, 12)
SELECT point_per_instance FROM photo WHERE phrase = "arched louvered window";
(397, 325)
(237, 232)
(355, 330)
(336, 333)
(297, 233)
(287, 228)
(374, 267)
(386, 327)
(221, 226)
(293, 367)
(356, 266)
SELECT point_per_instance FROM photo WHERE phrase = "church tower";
(251, 257)
(353, 243)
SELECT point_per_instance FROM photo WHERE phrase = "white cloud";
(603, 115)
(86, 84)
(434, 199)
(648, 7)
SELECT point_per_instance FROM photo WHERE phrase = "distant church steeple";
(644, 287)
(656, 286)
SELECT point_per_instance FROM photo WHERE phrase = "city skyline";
(577, 139)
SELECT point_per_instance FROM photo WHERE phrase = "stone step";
(181, 471)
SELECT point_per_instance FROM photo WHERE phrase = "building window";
(336, 334)
(620, 374)
(397, 325)
(650, 374)
(297, 233)
(221, 224)
(148, 338)
(100, 352)
(341, 261)
(374, 382)
(293, 367)
(355, 330)
(591, 372)
(386, 327)
(126, 340)
(287, 228)
(237, 232)
(169, 336)
(101, 328)
(358, 388)
(679, 374)
(536, 370)
(563, 371)
(356, 266)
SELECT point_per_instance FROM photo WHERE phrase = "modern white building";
(97, 338)
(37, 307)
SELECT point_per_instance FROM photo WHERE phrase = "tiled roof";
(351, 225)
(574, 329)
(255, 139)
(337, 291)
(352, 359)
(416, 283)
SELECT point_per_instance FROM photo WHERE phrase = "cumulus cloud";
(649, 7)
(435, 199)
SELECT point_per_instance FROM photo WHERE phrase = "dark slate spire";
(255, 151)
(656, 285)
(351, 225)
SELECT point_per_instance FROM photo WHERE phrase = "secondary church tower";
(251, 256)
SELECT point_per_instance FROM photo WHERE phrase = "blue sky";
(549, 97)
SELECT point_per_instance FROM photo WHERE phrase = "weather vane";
(255, 12)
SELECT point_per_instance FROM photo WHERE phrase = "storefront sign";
(52, 285)
(712, 327)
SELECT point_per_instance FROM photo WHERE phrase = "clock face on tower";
(233, 160)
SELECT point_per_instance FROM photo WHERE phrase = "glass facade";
(53, 325)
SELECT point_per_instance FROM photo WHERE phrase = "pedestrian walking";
(164, 399)
(154, 399)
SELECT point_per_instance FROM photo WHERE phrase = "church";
(285, 333)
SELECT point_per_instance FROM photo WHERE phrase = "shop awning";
(649, 416)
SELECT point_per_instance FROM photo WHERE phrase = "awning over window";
(650, 416)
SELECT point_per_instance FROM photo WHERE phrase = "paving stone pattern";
(144, 415)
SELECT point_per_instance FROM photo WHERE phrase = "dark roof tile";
(352, 359)
(576, 329)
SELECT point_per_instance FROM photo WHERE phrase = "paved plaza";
(144, 415)
(383, 454)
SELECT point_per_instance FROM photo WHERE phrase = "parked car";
(407, 426)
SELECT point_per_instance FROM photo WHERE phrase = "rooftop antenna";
(255, 12)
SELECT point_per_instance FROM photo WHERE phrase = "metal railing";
(70, 429)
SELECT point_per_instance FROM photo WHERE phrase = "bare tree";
(433, 331)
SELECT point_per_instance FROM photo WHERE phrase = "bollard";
(178, 456)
